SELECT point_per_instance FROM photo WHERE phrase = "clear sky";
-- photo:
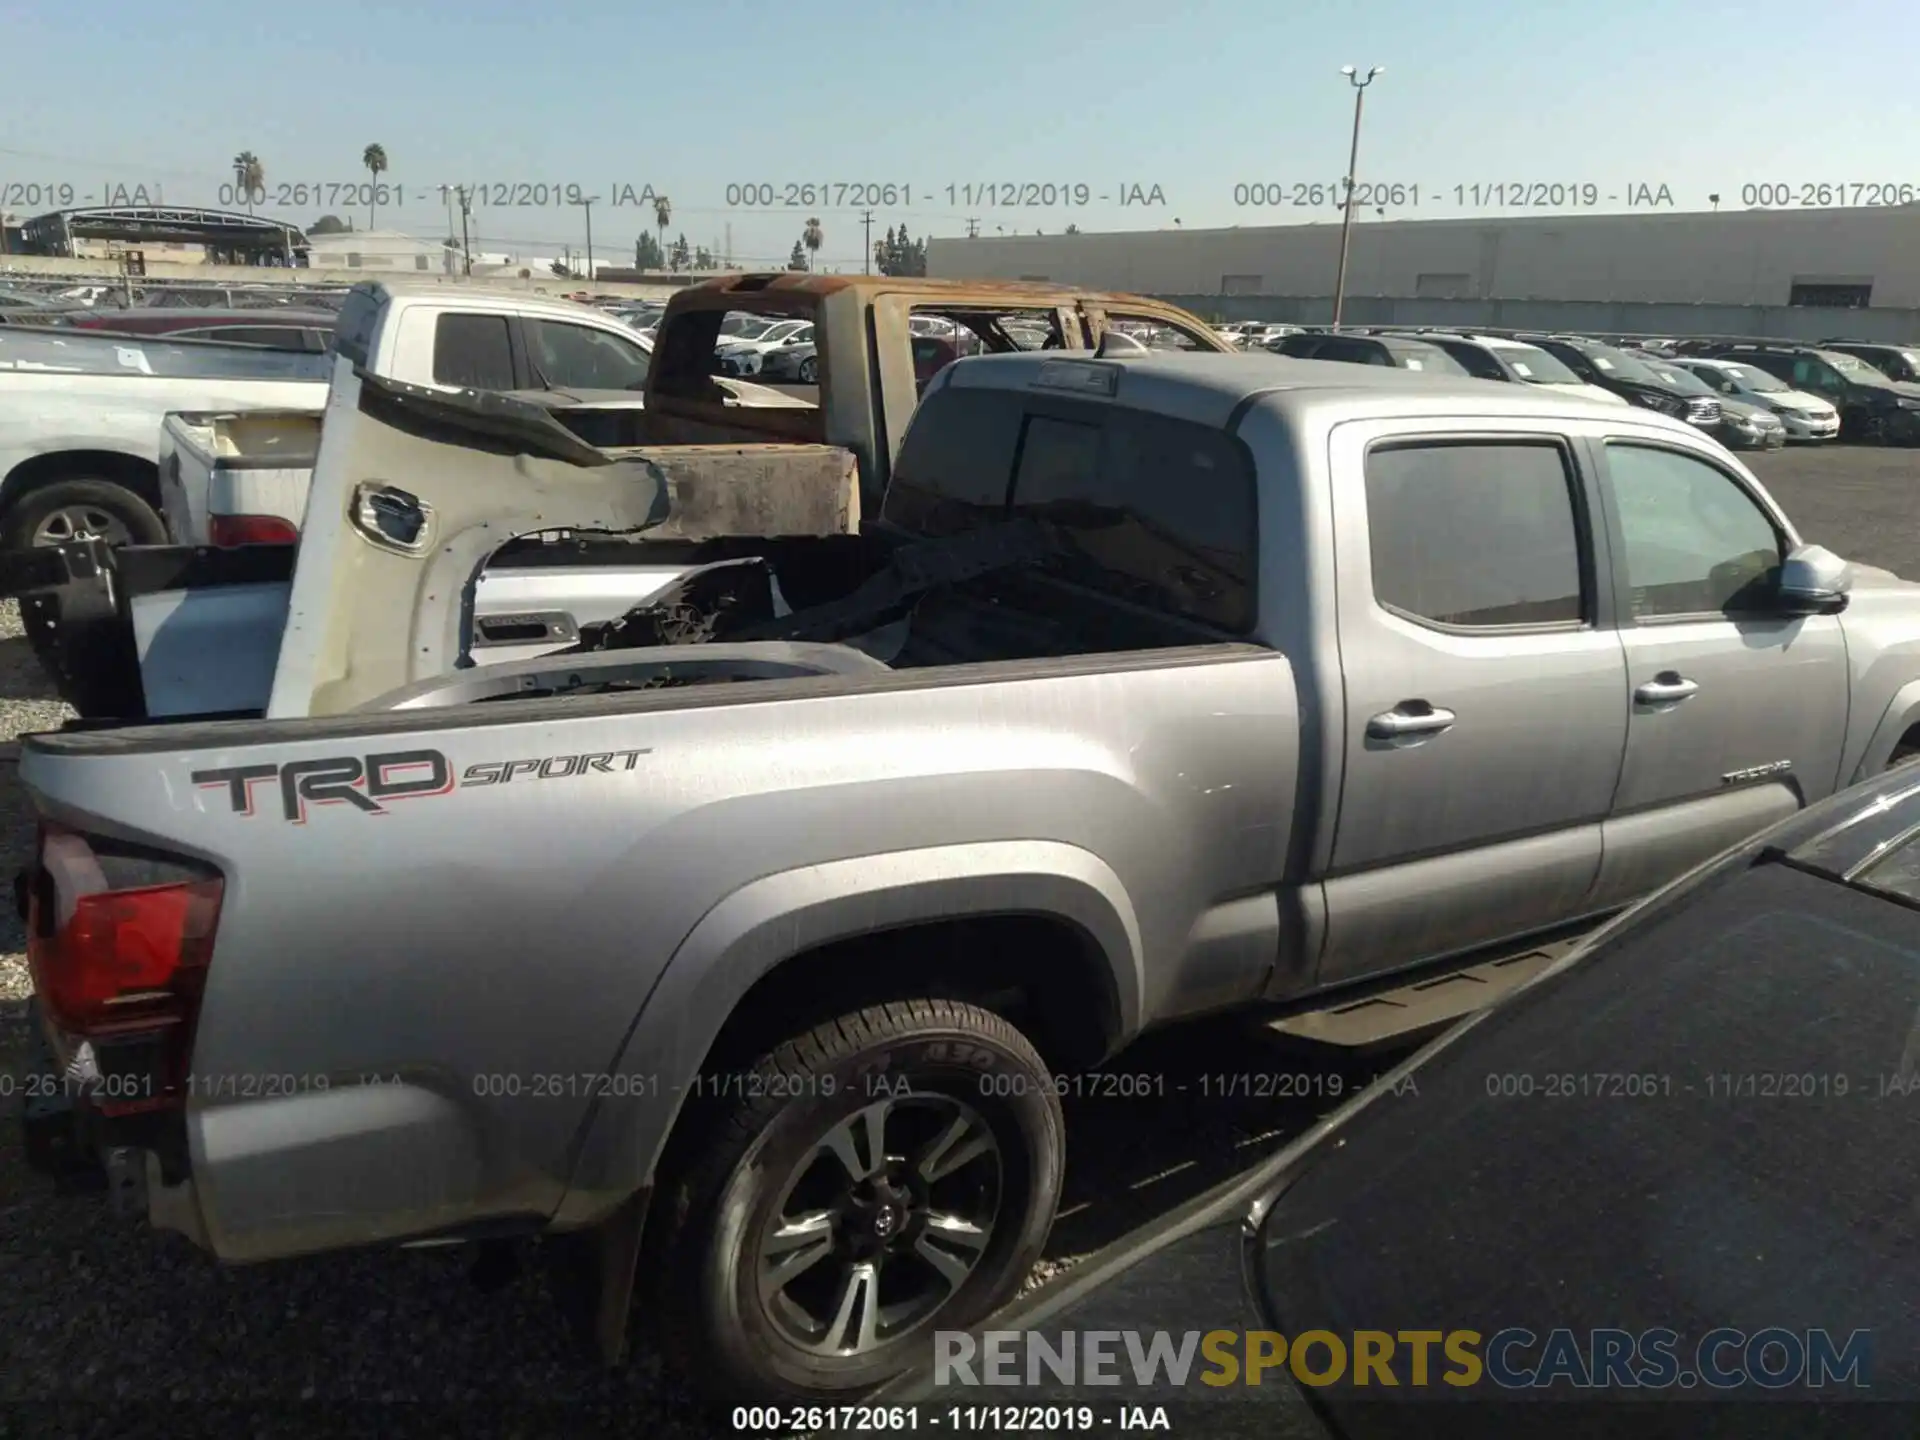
(1089, 97)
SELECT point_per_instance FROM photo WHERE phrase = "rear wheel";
(81, 509)
(1863, 427)
(809, 370)
(889, 1171)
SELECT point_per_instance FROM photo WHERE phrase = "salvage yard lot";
(99, 1309)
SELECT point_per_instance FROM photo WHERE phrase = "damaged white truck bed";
(166, 632)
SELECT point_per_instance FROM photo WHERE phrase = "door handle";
(1664, 689)
(551, 627)
(1409, 717)
(392, 518)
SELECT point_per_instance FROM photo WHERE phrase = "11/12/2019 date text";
(958, 1419)
(973, 194)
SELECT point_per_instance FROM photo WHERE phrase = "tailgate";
(252, 465)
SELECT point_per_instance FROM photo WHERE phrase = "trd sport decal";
(371, 783)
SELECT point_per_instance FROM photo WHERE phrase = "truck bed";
(645, 831)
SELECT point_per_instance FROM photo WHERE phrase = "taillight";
(118, 941)
(227, 530)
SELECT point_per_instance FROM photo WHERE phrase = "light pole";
(1359, 84)
(466, 241)
(587, 205)
(446, 194)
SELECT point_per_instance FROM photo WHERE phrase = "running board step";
(1422, 1005)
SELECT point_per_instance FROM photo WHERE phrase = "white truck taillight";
(118, 941)
(226, 531)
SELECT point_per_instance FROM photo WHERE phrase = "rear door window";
(1436, 513)
(472, 351)
(580, 357)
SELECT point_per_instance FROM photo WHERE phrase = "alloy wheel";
(81, 522)
(880, 1224)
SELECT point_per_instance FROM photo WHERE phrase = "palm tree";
(813, 237)
(249, 174)
(662, 213)
(374, 157)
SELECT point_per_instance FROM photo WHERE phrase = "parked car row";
(1750, 394)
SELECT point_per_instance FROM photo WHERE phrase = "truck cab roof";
(468, 296)
(1210, 389)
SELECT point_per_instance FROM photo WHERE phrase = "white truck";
(82, 416)
(242, 478)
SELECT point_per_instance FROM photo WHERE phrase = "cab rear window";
(1157, 511)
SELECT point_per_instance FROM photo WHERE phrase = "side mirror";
(1814, 581)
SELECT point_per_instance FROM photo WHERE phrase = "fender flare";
(1902, 712)
(769, 920)
(47, 450)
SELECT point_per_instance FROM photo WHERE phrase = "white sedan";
(1804, 416)
(746, 355)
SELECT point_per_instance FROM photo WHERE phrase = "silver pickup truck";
(749, 939)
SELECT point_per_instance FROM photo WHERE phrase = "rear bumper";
(82, 1151)
(1802, 429)
(51, 1125)
(75, 602)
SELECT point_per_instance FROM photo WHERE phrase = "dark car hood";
(1644, 387)
(1608, 1156)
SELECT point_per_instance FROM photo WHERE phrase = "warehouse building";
(379, 250)
(1804, 273)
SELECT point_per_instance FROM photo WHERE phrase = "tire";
(751, 1319)
(809, 371)
(1863, 427)
(1903, 754)
(66, 508)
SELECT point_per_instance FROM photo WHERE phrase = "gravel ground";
(106, 1327)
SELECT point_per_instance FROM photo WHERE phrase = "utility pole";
(587, 205)
(1353, 163)
(973, 227)
(466, 244)
(866, 219)
(728, 262)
